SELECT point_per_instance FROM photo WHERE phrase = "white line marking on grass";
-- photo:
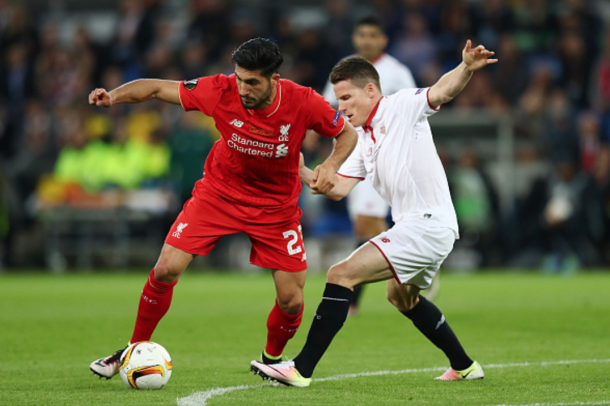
(603, 402)
(201, 398)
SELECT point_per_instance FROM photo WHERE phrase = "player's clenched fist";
(323, 179)
(100, 97)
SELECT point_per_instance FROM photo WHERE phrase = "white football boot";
(107, 367)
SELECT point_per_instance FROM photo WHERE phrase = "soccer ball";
(145, 365)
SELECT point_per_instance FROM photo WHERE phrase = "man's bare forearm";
(345, 143)
(306, 175)
(142, 90)
(452, 83)
(338, 192)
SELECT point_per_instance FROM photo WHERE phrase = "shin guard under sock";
(329, 319)
(431, 322)
(281, 327)
(154, 303)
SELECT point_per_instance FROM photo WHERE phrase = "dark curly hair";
(258, 54)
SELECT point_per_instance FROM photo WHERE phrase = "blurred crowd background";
(526, 145)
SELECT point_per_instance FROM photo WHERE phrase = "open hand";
(476, 58)
(100, 97)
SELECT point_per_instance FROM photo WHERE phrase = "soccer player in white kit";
(367, 210)
(395, 149)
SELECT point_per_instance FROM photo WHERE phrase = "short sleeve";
(203, 94)
(323, 119)
(414, 103)
(353, 167)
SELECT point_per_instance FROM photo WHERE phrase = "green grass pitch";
(53, 326)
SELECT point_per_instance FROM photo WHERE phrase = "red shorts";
(277, 241)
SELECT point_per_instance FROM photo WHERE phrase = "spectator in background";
(597, 202)
(210, 24)
(509, 77)
(123, 47)
(552, 220)
(16, 26)
(415, 47)
(455, 28)
(589, 140)
(559, 136)
(533, 100)
(190, 143)
(575, 67)
(36, 154)
(338, 26)
(493, 19)
(17, 77)
(477, 207)
(194, 57)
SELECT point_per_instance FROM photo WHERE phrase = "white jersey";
(396, 151)
(394, 76)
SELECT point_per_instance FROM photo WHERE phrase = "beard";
(253, 103)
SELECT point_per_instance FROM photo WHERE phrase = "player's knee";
(290, 302)
(340, 274)
(403, 303)
(165, 272)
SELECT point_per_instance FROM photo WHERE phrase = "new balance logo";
(281, 151)
(237, 123)
(179, 229)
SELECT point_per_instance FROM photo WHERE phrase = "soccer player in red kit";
(250, 182)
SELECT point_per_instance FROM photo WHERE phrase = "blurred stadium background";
(526, 145)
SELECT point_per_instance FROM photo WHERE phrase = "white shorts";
(364, 200)
(415, 252)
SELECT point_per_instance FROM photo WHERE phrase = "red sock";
(281, 327)
(154, 303)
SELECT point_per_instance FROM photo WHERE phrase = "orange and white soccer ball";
(145, 365)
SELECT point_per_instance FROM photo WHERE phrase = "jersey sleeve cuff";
(430, 105)
(347, 176)
(180, 96)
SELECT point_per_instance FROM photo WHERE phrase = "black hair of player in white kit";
(258, 54)
(372, 21)
(356, 69)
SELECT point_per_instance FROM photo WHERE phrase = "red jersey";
(256, 160)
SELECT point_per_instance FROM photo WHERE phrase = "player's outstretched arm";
(136, 92)
(341, 188)
(324, 176)
(452, 83)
